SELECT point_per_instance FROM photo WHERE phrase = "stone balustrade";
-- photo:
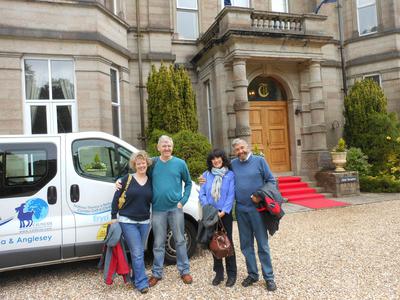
(268, 21)
(248, 20)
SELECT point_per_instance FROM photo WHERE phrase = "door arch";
(269, 121)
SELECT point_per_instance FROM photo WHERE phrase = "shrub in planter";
(357, 161)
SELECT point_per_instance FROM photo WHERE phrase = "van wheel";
(190, 237)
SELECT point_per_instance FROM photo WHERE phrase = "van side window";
(100, 159)
(26, 168)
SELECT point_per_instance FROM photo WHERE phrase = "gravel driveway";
(343, 253)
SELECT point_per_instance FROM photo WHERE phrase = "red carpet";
(298, 192)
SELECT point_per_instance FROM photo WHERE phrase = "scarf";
(217, 182)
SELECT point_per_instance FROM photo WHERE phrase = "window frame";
(286, 5)
(207, 85)
(191, 10)
(370, 75)
(75, 146)
(232, 4)
(116, 104)
(50, 103)
(358, 17)
(29, 188)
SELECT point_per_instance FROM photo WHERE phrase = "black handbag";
(220, 245)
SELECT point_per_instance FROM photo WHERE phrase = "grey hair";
(139, 155)
(165, 138)
(239, 141)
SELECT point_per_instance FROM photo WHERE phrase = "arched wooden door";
(269, 122)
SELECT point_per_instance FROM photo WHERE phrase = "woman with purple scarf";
(219, 191)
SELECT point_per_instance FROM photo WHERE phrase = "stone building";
(269, 71)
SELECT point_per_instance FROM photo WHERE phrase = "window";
(209, 111)
(115, 103)
(240, 3)
(279, 6)
(367, 17)
(49, 96)
(187, 19)
(100, 159)
(374, 77)
(26, 168)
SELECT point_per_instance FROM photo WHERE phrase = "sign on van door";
(30, 201)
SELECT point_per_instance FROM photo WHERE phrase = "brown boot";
(153, 281)
(187, 279)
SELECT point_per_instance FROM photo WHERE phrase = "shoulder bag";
(220, 244)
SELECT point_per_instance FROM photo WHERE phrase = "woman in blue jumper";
(219, 191)
(134, 216)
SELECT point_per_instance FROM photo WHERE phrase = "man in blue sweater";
(168, 173)
(251, 173)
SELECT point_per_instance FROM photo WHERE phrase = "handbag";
(220, 245)
(122, 198)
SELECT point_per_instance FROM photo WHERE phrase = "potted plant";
(338, 154)
(96, 167)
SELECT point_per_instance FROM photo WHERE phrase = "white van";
(56, 192)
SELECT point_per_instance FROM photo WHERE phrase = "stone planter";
(339, 160)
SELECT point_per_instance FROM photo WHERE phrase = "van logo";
(33, 210)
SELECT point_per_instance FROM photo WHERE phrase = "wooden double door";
(269, 131)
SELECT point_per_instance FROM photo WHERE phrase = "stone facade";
(236, 45)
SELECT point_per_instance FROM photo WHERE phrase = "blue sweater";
(167, 180)
(225, 202)
(250, 175)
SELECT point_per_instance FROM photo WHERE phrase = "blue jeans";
(176, 221)
(251, 225)
(136, 236)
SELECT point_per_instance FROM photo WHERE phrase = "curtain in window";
(32, 90)
(67, 88)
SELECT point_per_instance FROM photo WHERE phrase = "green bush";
(193, 148)
(369, 126)
(357, 161)
(190, 146)
(379, 184)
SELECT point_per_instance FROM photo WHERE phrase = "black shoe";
(271, 286)
(217, 280)
(248, 281)
(144, 290)
(230, 282)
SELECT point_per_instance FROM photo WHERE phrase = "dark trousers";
(230, 261)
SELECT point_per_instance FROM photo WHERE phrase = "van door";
(30, 201)
(93, 165)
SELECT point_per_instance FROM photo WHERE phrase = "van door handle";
(74, 193)
(52, 195)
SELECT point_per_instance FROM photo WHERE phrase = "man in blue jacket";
(251, 173)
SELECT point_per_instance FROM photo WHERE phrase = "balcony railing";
(277, 22)
(249, 20)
